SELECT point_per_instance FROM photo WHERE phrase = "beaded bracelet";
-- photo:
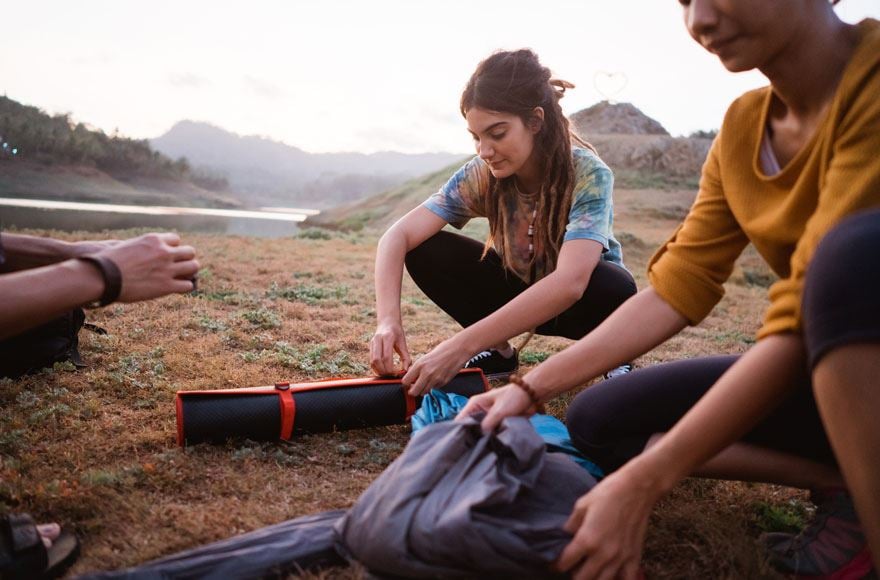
(520, 382)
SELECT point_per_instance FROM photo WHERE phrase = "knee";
(846, 254)
(612, 281)
(420, 259)
(841, 284)
(588, 425)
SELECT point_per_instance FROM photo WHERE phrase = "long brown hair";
(516, 82)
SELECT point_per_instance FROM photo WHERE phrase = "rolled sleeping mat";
(286, 410)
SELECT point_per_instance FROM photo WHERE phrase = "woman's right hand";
(389, 339)
(507, 401)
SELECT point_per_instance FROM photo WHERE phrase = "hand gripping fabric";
(285, 410)
(458, 503)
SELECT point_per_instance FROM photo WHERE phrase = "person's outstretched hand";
(389, 339)
(609, 525)
(153, 265)
(507, 401)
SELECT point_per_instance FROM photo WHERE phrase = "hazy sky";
(354, 75)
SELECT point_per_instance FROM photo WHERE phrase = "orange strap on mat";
(288, 409)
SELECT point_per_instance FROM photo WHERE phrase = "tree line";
(40, 137)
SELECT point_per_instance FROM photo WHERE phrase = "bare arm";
(640, 324)
(407, 233)
(23, 252)
(35, 296)
(151, 265)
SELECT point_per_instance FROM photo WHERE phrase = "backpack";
(43, 346)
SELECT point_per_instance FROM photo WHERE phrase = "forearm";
(390, 256)
(23, 252)
(34, 296)
(744, 395)
(637, 326)
(542, 301)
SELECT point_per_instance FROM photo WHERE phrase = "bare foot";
(49, 533)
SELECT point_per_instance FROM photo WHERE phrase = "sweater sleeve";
(851, 184)
(690, 269)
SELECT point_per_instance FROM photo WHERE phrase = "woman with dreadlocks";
(550, 263)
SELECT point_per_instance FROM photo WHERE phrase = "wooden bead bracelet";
(520, 382)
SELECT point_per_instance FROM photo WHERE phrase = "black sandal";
(23, 554)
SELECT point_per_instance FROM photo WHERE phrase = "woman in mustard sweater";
(795, 171)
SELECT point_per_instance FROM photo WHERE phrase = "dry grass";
(95, 449)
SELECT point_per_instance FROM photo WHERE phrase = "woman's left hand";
(609, 525)
(435, 369)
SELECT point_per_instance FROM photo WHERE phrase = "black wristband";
(112, 279)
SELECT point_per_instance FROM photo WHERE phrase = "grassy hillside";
(55, 157)
(381, 210)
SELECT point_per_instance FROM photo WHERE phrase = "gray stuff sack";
(302, 544)
(458, 503)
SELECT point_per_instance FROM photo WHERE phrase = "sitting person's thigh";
(612, 421)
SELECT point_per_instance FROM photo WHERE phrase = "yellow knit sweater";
(785, 216)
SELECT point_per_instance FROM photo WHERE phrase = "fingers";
(185, 270)
(577, 549)
(405, 358)
(378, 359)
(474, 405)
(169, 238)
(418, 379)
(632, 571)
(182, 286)
(577, 516)
(183, 253)
(491, 420)
(409, 377)
(422, 385)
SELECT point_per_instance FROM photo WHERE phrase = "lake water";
(76, 216)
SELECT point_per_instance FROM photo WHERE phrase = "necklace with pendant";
(532, 220)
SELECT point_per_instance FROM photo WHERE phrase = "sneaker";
(833, 546)
(621, 370)
(494, 364)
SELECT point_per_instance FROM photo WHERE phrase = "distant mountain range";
(261, 171)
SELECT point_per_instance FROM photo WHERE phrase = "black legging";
(611, 422)
(447, 267)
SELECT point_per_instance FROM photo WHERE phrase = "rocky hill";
(605, 118)
(637, 147)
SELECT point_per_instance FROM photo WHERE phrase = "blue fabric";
(438, 406)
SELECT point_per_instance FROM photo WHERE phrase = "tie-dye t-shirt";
(591, 216)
